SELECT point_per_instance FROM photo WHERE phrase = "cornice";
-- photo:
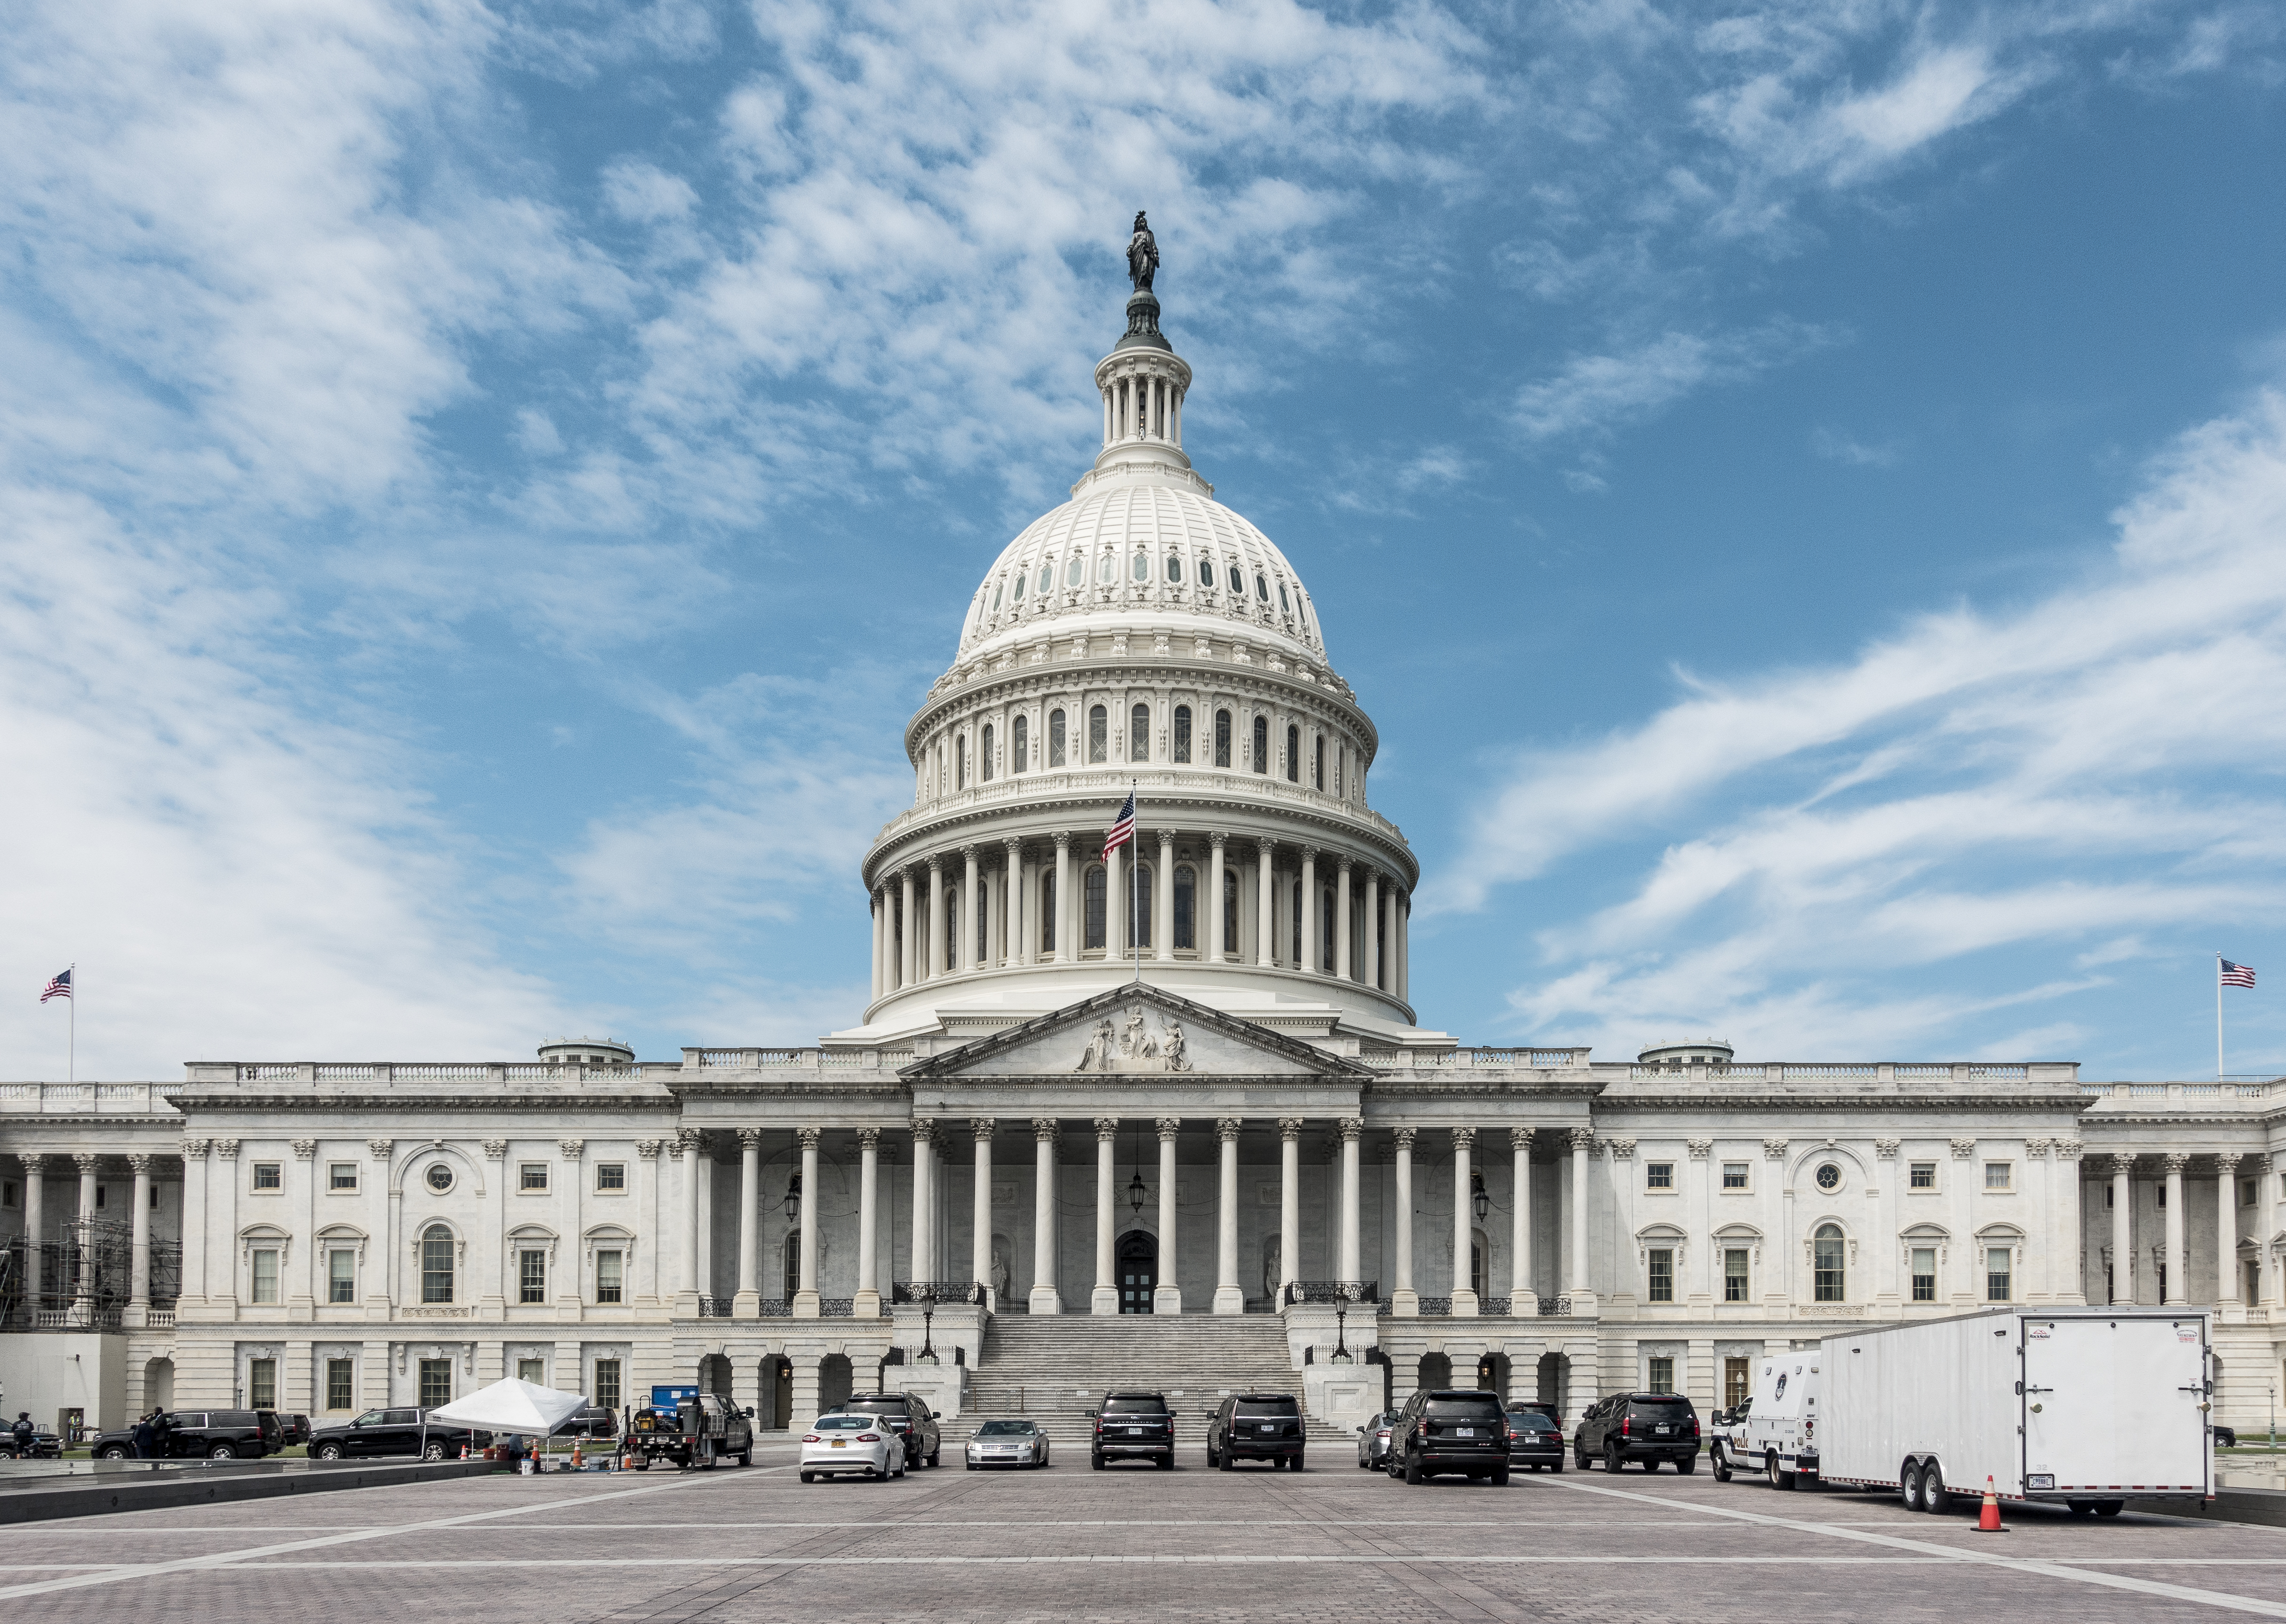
(397, 1103)
(1159, 671)
(1764, 1104)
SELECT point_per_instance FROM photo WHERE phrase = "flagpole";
(1135, 880)
(71, 1040)
(2218, 1017)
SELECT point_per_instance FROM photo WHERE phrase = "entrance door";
(781, 1394)
(1138, 1272)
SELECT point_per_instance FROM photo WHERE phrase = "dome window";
(1077, 574)
(1099, 734)
(997, 591)
(1261, 588)
(1206, 572)
(1285, 605)
(1105, 570)
(1237, 582)
(1174, 568)
(1047, 578)
(1142, 569)
(1017, 596)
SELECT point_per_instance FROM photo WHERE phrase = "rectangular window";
(1662, 1277)
(606, 1383)
(1095, 929)
(1924, 1274)
(340, 1385)
(1261, 762)
(262, 1384)
(265, 1274)
(531, 1274)
(1055, 738)
(341, 1275)
(1662, 1377)
(1737, 1382)
(2253, 1283)
(436, 1383)
(1138, 734)
(1734, 1274)
(1923, 1175)
(1659, 1175)
(534, 1177)
(1996, 1273)
(2108, 1194)
(2160, 1190)
(1734, 1175)
(1182, 733)
(341, 1176)
(1998, 1175)
(1187, 897)
(613, 1175)
(2246, 1192)
(609, 1276)
(1222, 738)
(269, 1175)
(531, 1370)
(8, 1194)
(1099, 734)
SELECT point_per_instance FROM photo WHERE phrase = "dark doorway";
(833, 1380)
(1554, 1377)
(1138, 1272)
(1492, 1374)
(774, 1412)
(1436, 1372)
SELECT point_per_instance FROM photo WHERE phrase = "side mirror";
(747, 1412)
(1090, 1415)
(937, 1414)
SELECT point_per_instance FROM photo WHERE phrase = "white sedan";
(853, 1446)
(1007, 1443)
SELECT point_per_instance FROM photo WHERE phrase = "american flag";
(60, 986)
(1122, 829)
(2236, 976)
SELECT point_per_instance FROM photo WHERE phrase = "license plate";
(841, 1443)
(1662, 1430)
(1136, 1432)
(1465, 1432)
(1270, 1428)
(1527, 1438)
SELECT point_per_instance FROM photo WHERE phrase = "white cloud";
(1835, 447)
(1595, 394)
(2056, 782)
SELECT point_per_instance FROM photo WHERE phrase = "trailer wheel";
(1935, 1498)
(2081, 1508)
(2110, 1508)
(1911, 1485)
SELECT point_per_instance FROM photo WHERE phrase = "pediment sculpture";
(1133, 1047)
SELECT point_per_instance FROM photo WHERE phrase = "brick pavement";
(1070, 1544)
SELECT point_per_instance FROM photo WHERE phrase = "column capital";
(1309, 853)
(1701, 1149)
(1290, 1129)
(935, 864)
(809, 1137)
(228, 1149)
(1962, 1149)
(1774, 1149)
(686, 1144)
(750, 1138)
(86, 1160)
(1622, 1148)
(1107, 1128)
(2174, 1162)
(982, 1127)
(1266, 845)
(1218, 838)
(1582, 1139)
(1886, 1149)
(924, 1130)
(1166, 839)
(139, 1163)
(1464, 1139)
(1227, 1128)
(496, 1150)
(2120, 1166)
(869, 1139)
(1169, 1126)
(1353, 1126)
(1404, 1138)
(968, 852)
(1063, 841)
(1342, 863)
(2037, 1149)
(378, 1149)
(303, 1149)
(36, 1165)
(571, 1148)
(2228, 1161)
(647, 1150)
(1045, 1130)
(2069, 1150)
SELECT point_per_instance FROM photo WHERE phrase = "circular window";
(1829, 1176)
(1142, 568)
(439, 1176)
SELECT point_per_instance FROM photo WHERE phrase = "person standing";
(21, 1432)
(162, 1434)
(144, 1437)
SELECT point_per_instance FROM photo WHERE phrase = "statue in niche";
(1142, 255)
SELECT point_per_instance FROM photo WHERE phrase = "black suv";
(395, 1431)
(1256, 1426)
(905, 1415)
(1650, 1427)
(219, 1435)
(1134, 1426)
(1535, 1438)
(1460, 1429)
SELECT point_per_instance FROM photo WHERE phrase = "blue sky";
(1801, 490)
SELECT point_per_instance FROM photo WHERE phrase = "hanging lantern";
(1479, 1201)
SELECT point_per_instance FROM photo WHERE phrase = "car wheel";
(2110, 1508)
(810, 1477)
(1095, 1462)
(222, 1452)
(1720, 1463)
(1296, 1463)
(1935, 1498)
(112, 1451)
(1500, 1476)
(1688, 1464)
(937, 1455)
(2081, 1508)
(434, 1452)
(970, 1465)
(329, 1452)
(1612, 1461)
(1412, 1471)
(1779, 1478)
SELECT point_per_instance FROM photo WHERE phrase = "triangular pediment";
(1138, 1031)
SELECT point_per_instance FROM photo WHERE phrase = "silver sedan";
(1373, 1440)
(1007, 1443)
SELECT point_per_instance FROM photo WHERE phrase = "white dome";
(1121, 537)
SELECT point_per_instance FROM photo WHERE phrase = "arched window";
(1237, 583)
(1317, 761)
(1174, 568)
(1261, 587)
(1827, 1252)
(1262, 744)
(1020, 743)
(1206, 572)
(984, 919)
(1017, 596)
(1142, 569)
(792, 1264)
(1077, 572)
(1222, 738)
(1107, 569)
(1047, 909)
(1099, 734)
(1138, 734)
(951, 944)
(1293, 754)
(1047, 579)
(984, 761)
(1326, 923)
(1055, 738)
(436, 1264)
(1182, 733)
(960, 762)
(1093, 933)
(998, 587)
(1137, 904)
(1186, 891)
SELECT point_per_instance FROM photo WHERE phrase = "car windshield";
(1005, 1428)
(844, 1424)
(1662, 1401)
(887, 1407)
(1128, 1404)
(1532, 1418)
(1267, 1406)
(1486, 1408)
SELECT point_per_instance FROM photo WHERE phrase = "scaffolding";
(83, 1276)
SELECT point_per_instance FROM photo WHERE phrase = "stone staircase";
(1056, 1368)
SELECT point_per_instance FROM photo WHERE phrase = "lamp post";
(1342, 1331)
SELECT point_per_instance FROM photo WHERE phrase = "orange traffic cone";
(1988, 1520)
(576, 1465)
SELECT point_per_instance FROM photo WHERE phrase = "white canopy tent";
(510, 1405)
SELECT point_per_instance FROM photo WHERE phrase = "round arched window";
(1206, 572)
(1829, 1176)
(439, 1176)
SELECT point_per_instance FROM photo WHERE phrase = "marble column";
(1404, 1301)
(684, 1154)
(1308, 900)
(1211, 908)
(1342, 918)
(1229, 1298)
(1065, 952)
(1015, 940)
(1045, 1299)
(1582, 1139)
(1289, 1203)
(1115, 944)
(2123, 1230)
(83, 1300)
(1400, 932)
(1348, 1275)
(1168, 1298)
(139, 1281)
(36, 1231)
(2173, 1163)
(747, 1303)
(805, 1297)
(868, 1303)
(968, 953)
(1464, 1290)
(1104, 1298)
(981, 1129)
(878, 900)
(907, 937)
(1266, 923)
(1372, 928)
(933, 930)
(1163, 915)
(2073, 1289)
(924, 1258)
(2227, 1290)
(1523, 1299)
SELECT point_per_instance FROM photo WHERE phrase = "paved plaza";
(1069, 1543)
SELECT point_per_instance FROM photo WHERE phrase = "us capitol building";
(1039, 1146)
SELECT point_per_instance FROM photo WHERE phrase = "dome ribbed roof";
(1148, 553)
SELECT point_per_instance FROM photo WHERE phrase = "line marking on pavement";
(2036, 1567)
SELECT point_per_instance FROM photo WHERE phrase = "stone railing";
(1533, 1059)
(1332, 1291)
(388, 1073)
(939, 1292)
(818, 1061)
(1112, 784)
(713, 1307)
(1856, 1072)
(90, 1099)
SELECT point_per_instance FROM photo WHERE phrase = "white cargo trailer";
(2085, 1406)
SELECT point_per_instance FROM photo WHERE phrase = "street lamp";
(1479, 1201)
(1137, 1191)
(1341, 1331)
